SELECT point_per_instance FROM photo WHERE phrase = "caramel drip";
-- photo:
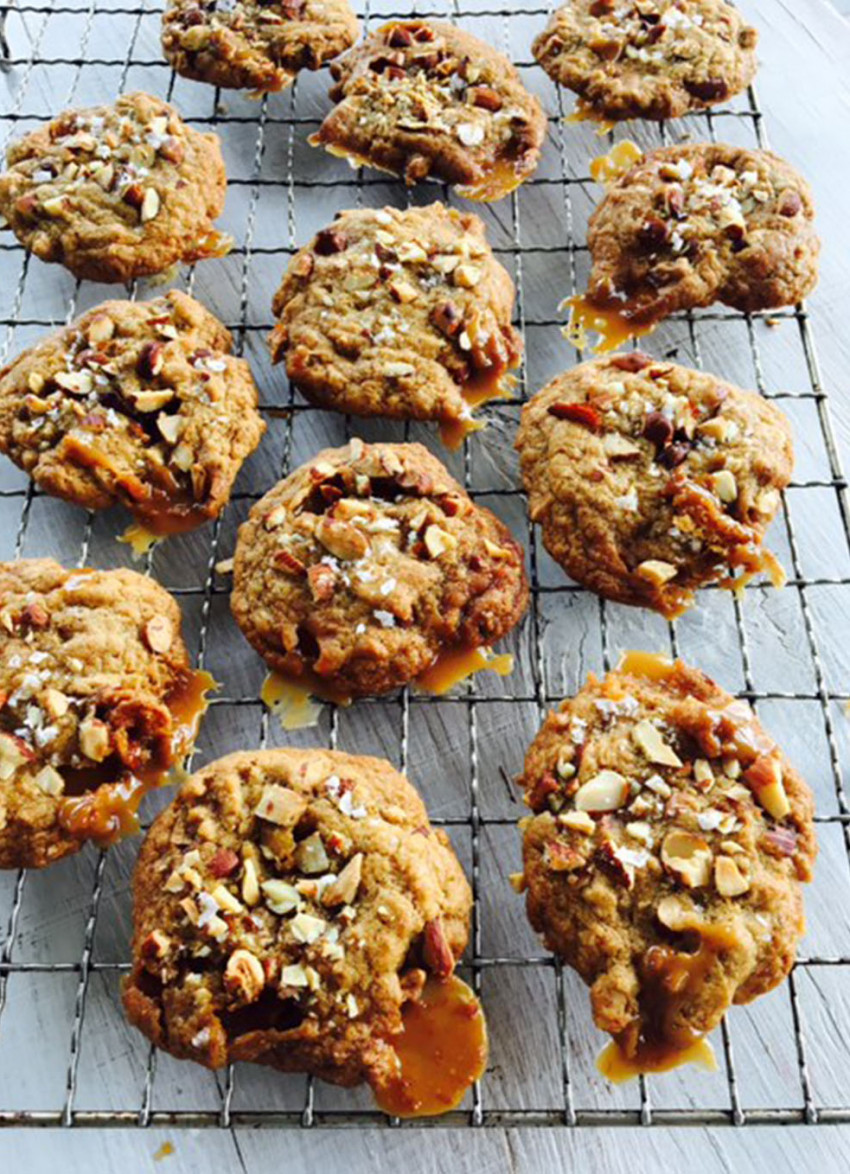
(617, 1067)
(612, 324)
(139, 538)
(584, 112)
(101, 803)
(651, 665)
(290, 701)
(500, 181)
(441, 1049)
(618, 162)
(457, 665)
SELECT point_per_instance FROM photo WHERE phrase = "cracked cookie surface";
(650, 479)
(134, 403)
(422, 99)
(394, 313)
(254, 44)
(116, 192)
(659, 59)
(665, 855)
(359, 569)
(288, 904)
(93, 673)
(705, 222)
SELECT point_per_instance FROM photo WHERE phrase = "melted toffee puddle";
(291, 702)
(617, 1067)
(102, 804)
(613, 326)
(140, 539)
(454, 667)
(585, 113)
(441, 1049)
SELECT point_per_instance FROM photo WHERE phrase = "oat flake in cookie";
(364, 566)
(690, 225)
(97, 702)
(289, 906)
(665, 855)
(405, 314)
(116, 192)
(650, 480)
(422, 99)
(657, 59)
(135, 403)
(254, 44)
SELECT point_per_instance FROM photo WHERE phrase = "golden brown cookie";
(699, 223)
(394, 313)
(136, 403)
(650, 479)
(254, 44)
(97, 701)
(657, 59)
(288, 905)
(116, 192)
(665, 855)
(421, 98)
(359, 569)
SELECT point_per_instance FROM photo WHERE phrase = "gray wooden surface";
(803, 89)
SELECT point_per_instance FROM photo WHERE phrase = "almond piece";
(280, 896)
(159, 634)
(687, 857)
(471, 134)
(656, 571)
(343, 890)
(439, 541)
(310, 855)
(728, 878)
(343, 540)
(675, 915)
(94, 739)
(764, 778)
(170, 427)
(436, 952)
(577, 821)
(250, 883)
(280, 805)
(152, 401)
(244, 977)
(467, 276)
(403, 291)
(725, 486)
(606, 791)
(150, 205)
(49, 781)
(649, 739)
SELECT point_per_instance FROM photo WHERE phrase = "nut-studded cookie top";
(93, 673)
(137, 403)
(397, 313)
(423, 98)
(362, 566)
(694, 224)
(666, 850)
(116, 192)
(287, 905)
(659, 59)
(254, 44)
(650, 479)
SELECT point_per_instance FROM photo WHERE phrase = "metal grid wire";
(26, 60)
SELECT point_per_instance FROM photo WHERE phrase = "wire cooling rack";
(67, 1056)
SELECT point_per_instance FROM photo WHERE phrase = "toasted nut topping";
(151, 360)
(156, 945)
(436, 952)
(280, 805)
(225, 899)
(653, 745)
(289, 563)
(280, 897)
(56, 703)
(728, 879)
(703, 772)
(224, 863)
(152, 401)
(467, 276)
(718, 428)
(35, 382)
(150, 205)
(565, 766)
(275, 517)
(619, 447)
(293, 976)
(330, 241)
(656, 571)
(687, 857)
(244, 978)
(310, 855)
(306, 928)
(439, 541)
(725, 486)
(606, 791)
(49, 781)
(159, 634)
(471, 134)
(403, 291)
(100, 329)
(765, 779)
(343, 890)
(577, 821)
(250, 883)
(170, 427)
(94, 739)
(341, 538)
(673, 913)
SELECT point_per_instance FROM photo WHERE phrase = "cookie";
(405, 314)
(650, 479)
(665, 855)
(116, 192)
(254, 44)
(356, 572)
(699, 223)
(656, 60)
(135, 403)
(421, 98)
(97, 701)
(287, 906)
